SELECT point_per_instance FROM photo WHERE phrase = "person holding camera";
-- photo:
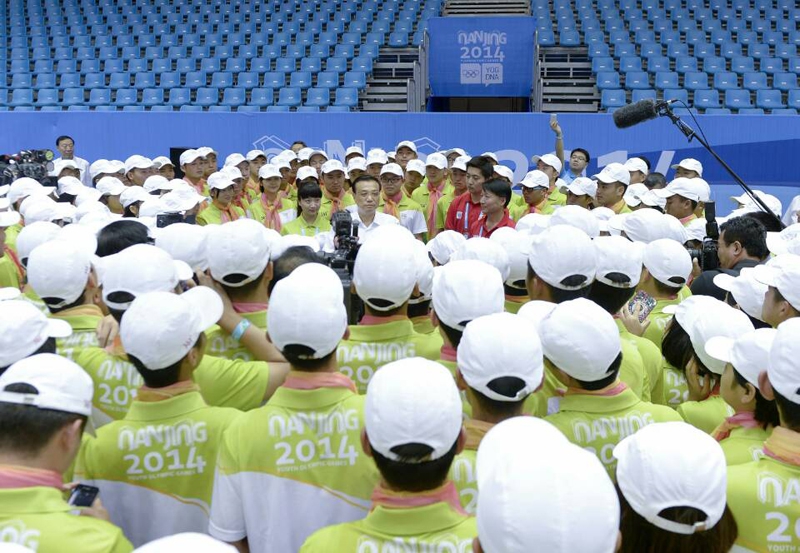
(742, 243)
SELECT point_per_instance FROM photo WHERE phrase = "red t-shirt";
(461, 215)
(478, 228)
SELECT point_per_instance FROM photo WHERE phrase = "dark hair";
(749, 232)
(363, 178)
(419, 309)
(582, 151)
(411, 474)
(26, 429)
(290, 260)
(300, 142)
(766, 412)
(64, 137)
(49, 346)
(662, 288)
(298, 356)
(307, 190)
(612, 372)
(641, 536)
(119, 235)
(482, 164)
(65, 198)
(676, 346)
(50, 301)
(499, 188)
(508, 386)
(162, 378)
(771, 224)
(236, 292)
(453, 334)
(653, 180)
(611, 298)
(789, 411)
(559, 295)
(127, 213)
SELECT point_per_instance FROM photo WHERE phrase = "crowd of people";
(565, 363)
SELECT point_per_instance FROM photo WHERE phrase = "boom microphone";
(635, 113)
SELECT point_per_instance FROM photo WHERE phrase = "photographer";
(742, 243)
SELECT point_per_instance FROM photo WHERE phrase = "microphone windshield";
(633, 114)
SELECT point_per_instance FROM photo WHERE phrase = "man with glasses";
(578, 160)
(395, 203)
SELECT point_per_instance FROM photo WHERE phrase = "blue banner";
(761, 148)
(481, 56)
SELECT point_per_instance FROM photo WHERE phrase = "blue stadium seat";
(219, 108)
(210, 65)
(685, 64)
(754, 81)
(737, 99)
(190, 107)
(346, 97)
(769, 99)
(207, 96)
(308, 109)
(94, 80)
(638, 95)
(161, 65)
(144, 80)
(261, 97)
(222, 79)
(274, 79)
(137, 65)
(714, 64)
(195, 79)
(794, 65)
(90, 66)
(248, 109)
(69, 80)
(607, 80)
(289, 96)
(400, 39)
(336, 64)
(602, 63)
(355, 79)
(742, 64)
(285, 65)
(99, 96)
(45, 80)
(785, 51)
(300, 79)
(758, 50)
(784, 81)
(747, 37)
(570, 38)
(612, 99)
(21, 80)
(703, 50)
(656, 64)
(152, 97)
(179, 96)
(624, 49)
(695, 80)
(247, 80)
(224, 51)
(637, 80)
(235, 65)
(169, 79)
(598, 49)
(234, 97)
(318, 97)
(630, 63)
(678, 94)
(295, 51)
(362, 63)
(311, 64)
(666, 79)
(126, 97)
(120, 80)
(771, 65)
(260, 65)
(726, 80)
(113, 66)
(706, 99)
(328, 79)
(346, 51)
(47, 97)
(73, 97)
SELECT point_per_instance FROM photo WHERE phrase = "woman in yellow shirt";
(272, 207)
(309, 222)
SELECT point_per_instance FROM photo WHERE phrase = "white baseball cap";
(581, 338)
(614, 172)
(392, 169)
(24, 187)
(399, 410)
(583, 186)
(749, 353)
(150, 208)
(206, 150)
(444, 244)
(691, 165)
(615, 254)
(407, 144)
(559, 498)
(535, 179)
(160, 328)
(517, 246)
(187, 541)
(636, 164)
(304, 154)
(332, 165)
(436, 160)
(783, 374)
(536, 311)
(110, 186)
(307, 173)
(33, 235)
(137, 162)
(98, 167)
(384, 273)
(773, 203)
(238, 252)
(24, 329)
(61, 164)
(154, 183)
(360, 164)
(307, 309)
(132, 195)
(416, 165)
(550, 160)
(643, 225)
(60, 384)
(290, 240)
(491, 155)
(190, 155)
(162, 161)
(486, 250)
(465, 290)
(504, 172)
(186, 243)
(69, 185)
(520, 437)
(747, 292)
(578, 217)
(424, 269)
(561, 252)
(183, 197)
(785, 241)
(377, 156)
(317, 153)
(234, 159)
(354, 150)
(137, 270)
(673, 464)
(501, 345)
(9, 218)
(253, 154)
(634, 194)
(58, 271)
(281, 163)
(533, 224)
(668, 262)
(220, 181)
(37, 207)
(697, 189)
(461, 163)
(460, 151)
(9, 293)
(269, 171)
(715, 319)
(786, 277)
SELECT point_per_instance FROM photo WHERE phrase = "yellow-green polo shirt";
(212, 215)
(706, 415)
(222, 344)
(83, 320)
(301, 227)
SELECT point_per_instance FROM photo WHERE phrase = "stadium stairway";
(566, 80)
(387, 86)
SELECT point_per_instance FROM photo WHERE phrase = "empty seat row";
(735, 99)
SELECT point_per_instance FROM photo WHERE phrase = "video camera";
(707, 256)
(35, 164)
(343, 259)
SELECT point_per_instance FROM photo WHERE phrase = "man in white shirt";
(66, 147)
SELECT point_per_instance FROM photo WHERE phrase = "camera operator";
(742, 243)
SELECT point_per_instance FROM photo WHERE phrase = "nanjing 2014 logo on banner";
(482, 56)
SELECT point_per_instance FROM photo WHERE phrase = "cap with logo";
(399, 411)
(491, 155)
(647, 225)
(60, 384)
(583, 186)
(253, 154)
(578, 217)
(137, 162)
(691, 165)
(436, 160)
(785, 277)
(407, 144)
(497, 346)
(317, 153)
(614, 172)
(234, 159)
(673, 464)
(132, 195)
(61, 164)
(562, 252)
(58, 272)
(331, 166)
(183, 197)
(307, 173)
(465, 290)
(636, 164)
(360, 164)
(377, 156)
(442, 246)
(160, 328)
(785, 241)
(99, 167)
(162, 161)
(354, 150)
(535, 179)
(549, 160)
(189, 156)
(392, 169)
(668, 262)
(110, 186)
(310, 288)
(460, 163)
(460, 151)
(692, 189)
(504, 172)
(383, 274)
(304, 154)
(748, 354)
(157, 183)
(220, 181)
(747, 292)
(715, 319)
(238, 252)
(24, 329)
(619, 261)
(634, 194)
(416, 165)
(269, 171)
(69, 185)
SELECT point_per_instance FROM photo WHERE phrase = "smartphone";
(83, 495)
(167, 219)
(647, 302)
(553, 118)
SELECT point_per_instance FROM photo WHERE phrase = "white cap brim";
(58, 328)
(721, 348)
(207, 303)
